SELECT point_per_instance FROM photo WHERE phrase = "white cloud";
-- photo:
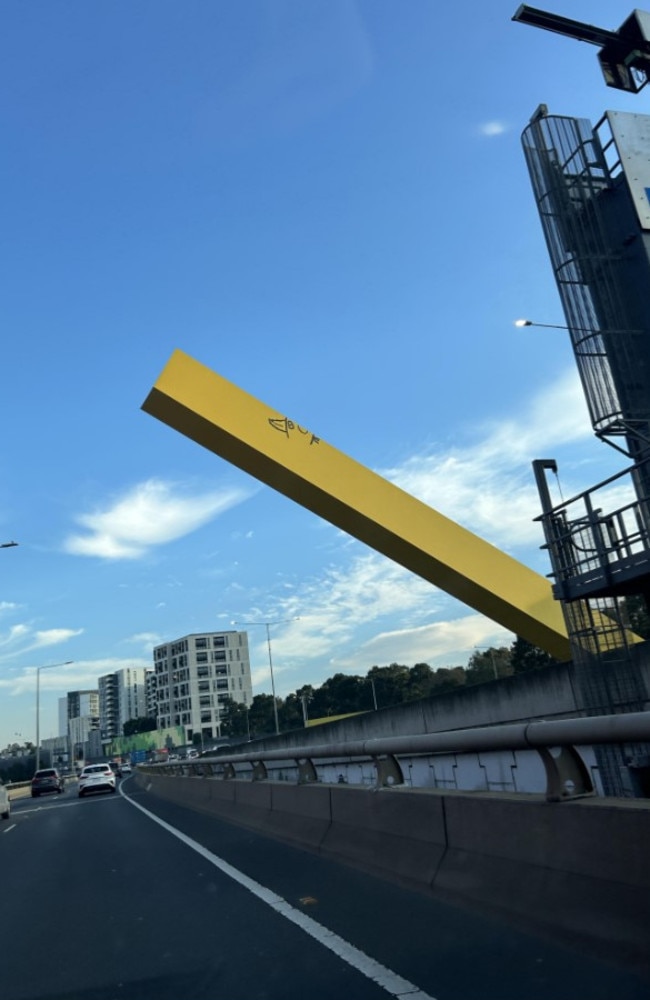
(152, 513)
(54, 636)
(146, 640)
(23, 638)
(14, 635)
(493, 128)
(445, 643)
(8, 606)
(488, 486)
(148, 637)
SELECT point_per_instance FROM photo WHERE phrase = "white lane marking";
(385, 978)
(12, 827)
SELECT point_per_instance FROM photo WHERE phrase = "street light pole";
(275, 704)
(47, 666)
(267, 625)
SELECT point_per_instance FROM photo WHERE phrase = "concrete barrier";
(574, 869)
(21, 790)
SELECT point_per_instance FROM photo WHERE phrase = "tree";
(488, 665)
(636, 610)
(261, 716)
(448, 679)
(390, 684)
(234, 719)
(143, 724)
(524, 656)
(420, 682)
(339, 695)
(290, 712)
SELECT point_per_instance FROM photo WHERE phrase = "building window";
(219, 640)
(201, 657)
(201, 643)
(222, 685)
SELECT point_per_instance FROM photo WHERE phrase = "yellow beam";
(207, 408)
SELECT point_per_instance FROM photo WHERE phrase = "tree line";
(381, 687)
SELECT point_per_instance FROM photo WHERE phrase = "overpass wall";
(549, 693)
(542, 694)
(578, 868)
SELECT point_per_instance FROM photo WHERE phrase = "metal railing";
(567, 775)
(593, 552)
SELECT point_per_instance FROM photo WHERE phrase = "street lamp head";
(550, 326)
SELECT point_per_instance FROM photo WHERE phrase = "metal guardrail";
(595, 553)
(567, 776)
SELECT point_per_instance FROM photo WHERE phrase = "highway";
(126, 897)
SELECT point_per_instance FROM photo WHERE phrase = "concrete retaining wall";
(549, 693)
(575, 869)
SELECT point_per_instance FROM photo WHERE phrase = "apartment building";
(195, 675)
(122, 696)
(83, 720)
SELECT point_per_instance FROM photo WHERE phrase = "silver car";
(5, 804)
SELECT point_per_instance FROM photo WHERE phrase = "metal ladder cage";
(597, 560)
(608, 679)
(572, 181)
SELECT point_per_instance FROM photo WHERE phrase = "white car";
(96, 778)
(126, 768)
(5, 804)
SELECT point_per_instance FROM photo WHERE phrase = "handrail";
(630, 727)
(567, 775)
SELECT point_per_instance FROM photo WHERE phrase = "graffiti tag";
(286, 426)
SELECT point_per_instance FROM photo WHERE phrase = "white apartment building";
(195, 675)
(122, 696)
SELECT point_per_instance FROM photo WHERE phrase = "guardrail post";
(259, 771)
(388, 770)
(567, 776)
(228, 772)
(306, 771)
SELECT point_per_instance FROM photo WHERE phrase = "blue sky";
(326, 203)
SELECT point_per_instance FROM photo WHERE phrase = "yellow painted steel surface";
(207, 408)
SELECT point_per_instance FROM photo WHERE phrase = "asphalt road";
(99, 901)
